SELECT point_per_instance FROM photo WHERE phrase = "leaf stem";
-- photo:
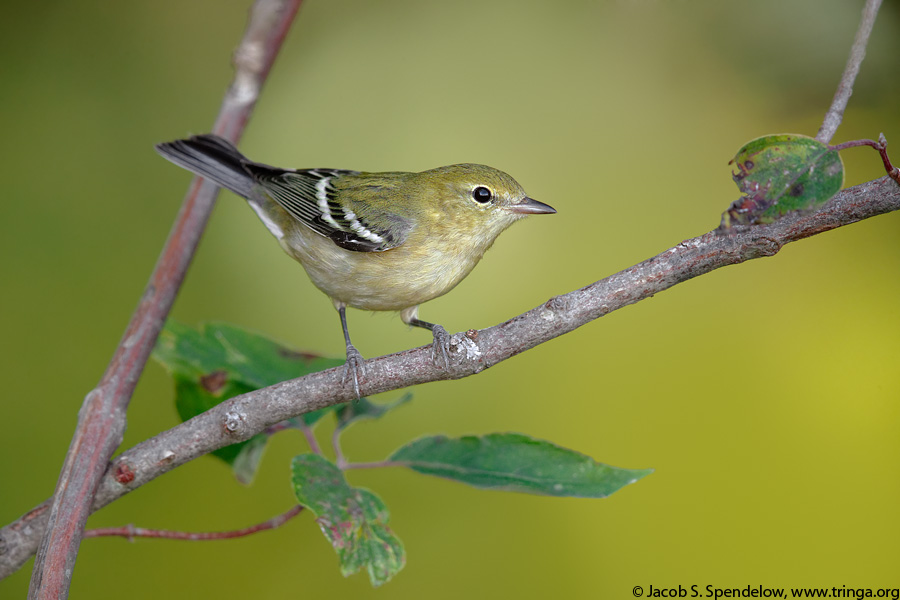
(310, 436)
(340, 460)
(371, 465)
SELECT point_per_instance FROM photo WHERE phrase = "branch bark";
(101, 420)
(471, 352)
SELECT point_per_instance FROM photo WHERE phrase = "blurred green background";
(764, 395)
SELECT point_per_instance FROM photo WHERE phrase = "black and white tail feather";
(213, 158)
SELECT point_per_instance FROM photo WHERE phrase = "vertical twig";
(101, 420)
(845, 88)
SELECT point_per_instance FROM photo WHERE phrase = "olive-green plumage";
(445, 234)
(375, 241)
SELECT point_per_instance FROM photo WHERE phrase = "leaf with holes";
(780, 174)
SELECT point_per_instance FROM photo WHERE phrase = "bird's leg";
(441, 344)
(355, 364)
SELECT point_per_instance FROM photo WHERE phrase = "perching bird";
(374, 241)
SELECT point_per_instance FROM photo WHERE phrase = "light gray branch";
(835, 113)
(244, 416)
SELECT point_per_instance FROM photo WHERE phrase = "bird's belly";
(392, 280)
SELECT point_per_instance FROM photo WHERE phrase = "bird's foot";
(353, 368)
(441, 346)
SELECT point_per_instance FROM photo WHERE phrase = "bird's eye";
(482, 195)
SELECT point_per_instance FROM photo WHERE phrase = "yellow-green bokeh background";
(765, 395)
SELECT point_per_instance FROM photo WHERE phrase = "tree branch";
(102, 417)
(471, 352)
(101, 421)
(835, 113)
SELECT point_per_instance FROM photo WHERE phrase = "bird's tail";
(212, 157)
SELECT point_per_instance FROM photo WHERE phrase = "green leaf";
(220, 361)
(516, 463)
(250, 358)
(193, 397)
(353, 519)
(779, 174)
(351, 412)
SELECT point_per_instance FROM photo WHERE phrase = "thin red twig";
(881, 145)
(131, 532)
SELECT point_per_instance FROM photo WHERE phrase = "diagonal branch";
(471, 352)
(845, 88)
(101, 420)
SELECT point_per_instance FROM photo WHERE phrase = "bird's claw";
(441, 345)
(353, 368)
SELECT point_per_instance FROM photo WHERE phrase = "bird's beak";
(530, 206)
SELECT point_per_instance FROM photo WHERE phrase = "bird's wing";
(310, 197)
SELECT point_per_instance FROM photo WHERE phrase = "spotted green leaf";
(353, 519)
(779, 174)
